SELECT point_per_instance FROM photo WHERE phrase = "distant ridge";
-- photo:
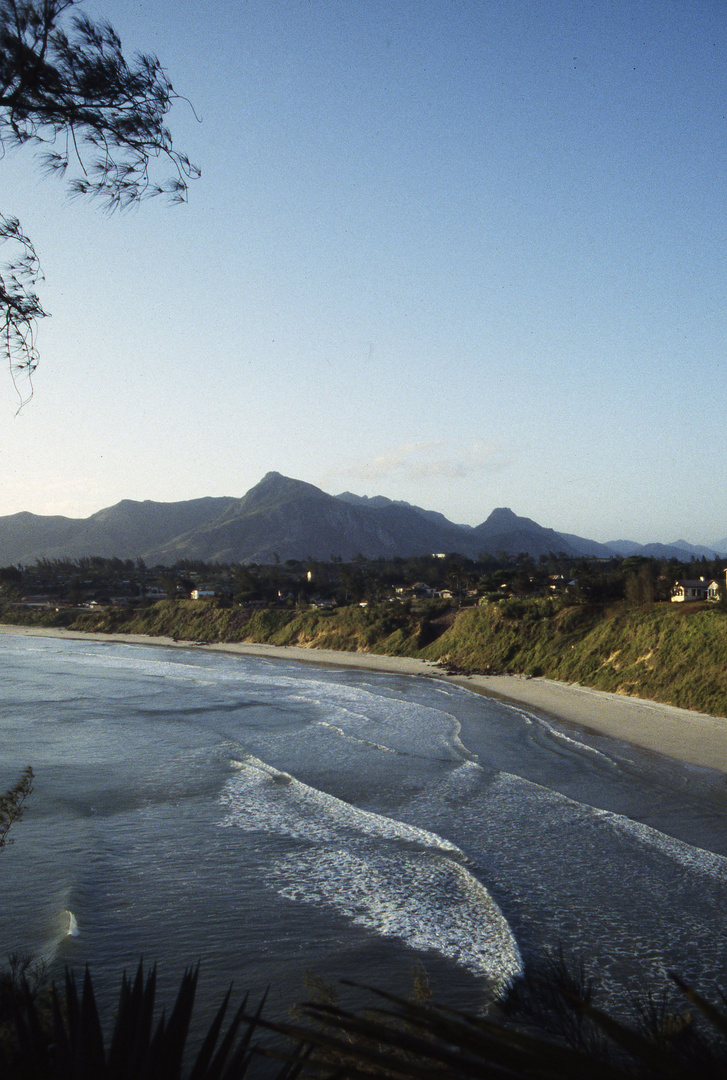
(281, 518)
(128, 530)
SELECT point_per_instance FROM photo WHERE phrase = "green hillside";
(672, 653)
(665, 652)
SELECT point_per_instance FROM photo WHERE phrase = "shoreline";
(690, 737)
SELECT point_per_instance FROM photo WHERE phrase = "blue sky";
(464, 254)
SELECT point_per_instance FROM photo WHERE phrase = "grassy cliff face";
(348, 629)
(664, 652)
(672, 653)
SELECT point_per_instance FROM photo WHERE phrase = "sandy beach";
(691, 737)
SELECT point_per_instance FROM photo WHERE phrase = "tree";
(11, 804)
(67, 89)
(20, 307)
(640, 585)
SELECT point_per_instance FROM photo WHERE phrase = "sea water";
(274, 819)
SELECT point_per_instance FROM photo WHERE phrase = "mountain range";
(281, 518)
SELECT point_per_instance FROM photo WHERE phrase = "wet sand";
(692, 737)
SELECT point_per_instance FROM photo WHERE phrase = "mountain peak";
(503, 517)
(275, 481)
(276, 489)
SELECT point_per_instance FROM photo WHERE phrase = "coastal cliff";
(667, 653)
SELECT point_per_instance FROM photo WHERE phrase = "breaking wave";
(393, 879)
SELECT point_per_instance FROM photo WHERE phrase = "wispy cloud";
(440, 459)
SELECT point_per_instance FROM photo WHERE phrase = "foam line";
(262, 798)
(428, 902)
(412, 887)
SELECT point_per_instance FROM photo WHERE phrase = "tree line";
(636, 580)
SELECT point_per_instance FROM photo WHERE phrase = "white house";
(713, 591)
(690, 589)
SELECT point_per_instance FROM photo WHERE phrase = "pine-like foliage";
(11, 804)
(67, 89)
(75, 91)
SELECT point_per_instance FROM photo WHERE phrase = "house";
(419, 590)
(690, 589)
(422, 591)
(713, 591)
(202, 594)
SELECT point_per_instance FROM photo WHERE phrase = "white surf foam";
(371, 715)
(428, 902)
(62, 925)
(262, 798)
(354, 738)
(394, 879)
(549, 802)
(69, 926)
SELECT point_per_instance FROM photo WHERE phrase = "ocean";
(279, 821)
